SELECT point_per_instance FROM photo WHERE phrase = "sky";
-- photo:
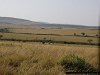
(78, 12)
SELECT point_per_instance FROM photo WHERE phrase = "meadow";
(18, 58)
(85, 36)
(40, 51)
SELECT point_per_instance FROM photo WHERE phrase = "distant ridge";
(10, 21)
(16, 21)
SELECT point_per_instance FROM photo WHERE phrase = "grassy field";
(21, 54)
(55, 31)
(18, 58)
(49, 37)
(66, 35)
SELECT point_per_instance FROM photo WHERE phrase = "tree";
(90, 41)
(97, 35)
(4, 30)
(1, 36)
(44, 41)
(74, 34)
(83, 34)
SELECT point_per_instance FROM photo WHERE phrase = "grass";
(18, 58)
(55, 31)
(76, 64)
(49, 37)
(35, 58)
(63, 35)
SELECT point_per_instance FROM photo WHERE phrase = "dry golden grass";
(55, 31)
(49, 37)
(61, 32)
(17, 58)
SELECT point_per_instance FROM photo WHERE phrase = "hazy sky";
(84, 12)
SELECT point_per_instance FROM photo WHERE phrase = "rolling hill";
(17, 22)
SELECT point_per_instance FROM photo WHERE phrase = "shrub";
(65, 42)
(4, 30)
(83, 34)
(74, 34)
(90, 41)
(76, 64)
(1, 36)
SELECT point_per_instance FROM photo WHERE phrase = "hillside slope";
(9, 21)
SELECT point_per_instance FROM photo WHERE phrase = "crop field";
(45, 51)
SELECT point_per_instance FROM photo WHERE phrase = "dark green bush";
(76, 64)
(1, 36)
(4, 30)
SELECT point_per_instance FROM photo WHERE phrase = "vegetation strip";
(55, 34)
(6, 30)
(52, 41)
(82, 72)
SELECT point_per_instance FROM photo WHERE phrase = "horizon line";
(50, 22)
